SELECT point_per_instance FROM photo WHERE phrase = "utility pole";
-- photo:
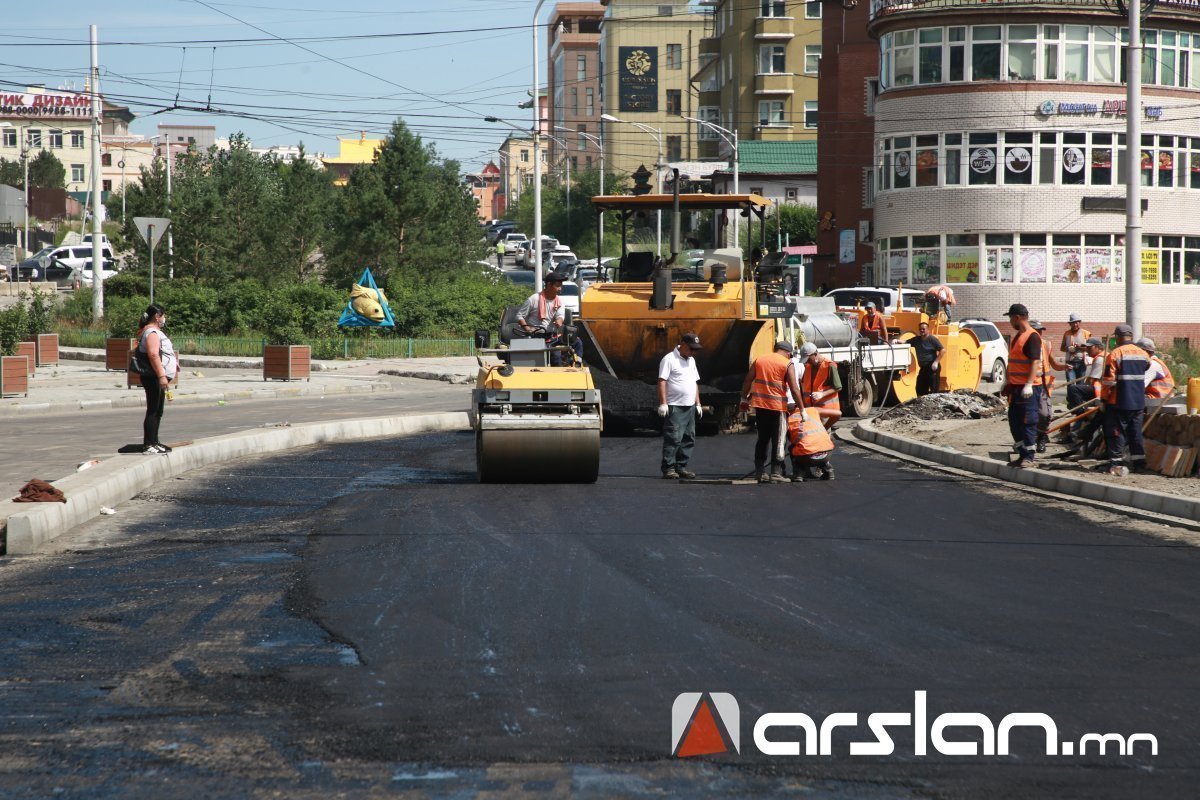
(1133, 173)
(170, 235)
(25, 162)
(97, 250)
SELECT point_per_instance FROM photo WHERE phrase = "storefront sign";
(1149, 266)
(846, 246)
(1111, 108)
(983, 160)
(1018, 159)
(902, 163)
(638, 78)
(1073, 160)
(49, 104)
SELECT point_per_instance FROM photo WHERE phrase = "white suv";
(995, 349)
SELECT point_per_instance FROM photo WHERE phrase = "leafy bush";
(450, 305)
(14, 324)
(191, 308)
(40, 316)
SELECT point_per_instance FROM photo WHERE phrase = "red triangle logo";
(704, 735)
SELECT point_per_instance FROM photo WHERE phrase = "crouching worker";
(811, 445)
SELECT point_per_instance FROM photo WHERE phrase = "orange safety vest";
(1047, 372)
(943, 293)
(769, 390)
(816, 379)
(865, 325)
(1160, 387)
(1020, 366)
(1076, 339)
(1124, 365)
(807, 433)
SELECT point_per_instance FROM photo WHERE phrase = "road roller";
(533, 422)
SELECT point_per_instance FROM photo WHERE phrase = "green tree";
(47, 172)
(306, 202)
(11, 173)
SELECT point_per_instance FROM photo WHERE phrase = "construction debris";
(959, 404)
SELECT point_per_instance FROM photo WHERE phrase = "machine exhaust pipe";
(661, 298)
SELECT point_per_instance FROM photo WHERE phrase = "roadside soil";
(989, 437)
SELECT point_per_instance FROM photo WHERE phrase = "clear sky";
(291, 71)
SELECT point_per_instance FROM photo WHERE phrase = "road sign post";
(152, 229)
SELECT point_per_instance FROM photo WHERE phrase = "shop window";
(982, 163)
(926, 160)
(1032, 258)
(901, 162)
(953, 158)
(1073, 160)
(926, 259)
(1018, 165)
(985, 53)
(962, 258)
(1065, 258)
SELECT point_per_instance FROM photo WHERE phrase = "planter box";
(29, 350)
(287, 362)
(14, 375)
(45, 347)
(116, 353)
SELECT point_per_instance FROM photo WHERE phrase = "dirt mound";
(960, 404)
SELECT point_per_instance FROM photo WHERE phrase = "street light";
(657, 134)
(599, 146)
(537, 175)
(567, 157)
(170, 235)
(725, 133)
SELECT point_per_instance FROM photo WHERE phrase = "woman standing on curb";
(164, 366)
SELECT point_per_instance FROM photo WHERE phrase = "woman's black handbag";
(139, 362)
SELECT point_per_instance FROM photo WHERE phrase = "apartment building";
(573, 85)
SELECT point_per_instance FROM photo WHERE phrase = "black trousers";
(927, 380)
(766, 448)
(156, 401)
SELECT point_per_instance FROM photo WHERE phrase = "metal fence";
(337, 347)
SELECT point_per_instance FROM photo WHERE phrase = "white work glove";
(663, 410)
(935, 366)
(1027, 391)
(699, 412)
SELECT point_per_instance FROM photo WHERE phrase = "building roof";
(780, 158)
(355, 151)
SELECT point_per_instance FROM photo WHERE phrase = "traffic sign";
(152, 228)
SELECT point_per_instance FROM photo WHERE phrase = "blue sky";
(459, 60)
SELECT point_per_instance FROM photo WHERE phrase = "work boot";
(1041, 445)
(826, 472)
(764, 477)
(1118, 470)
(684, 473)
(671, 475)
(797, 478)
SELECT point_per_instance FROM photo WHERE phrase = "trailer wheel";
(862, 397)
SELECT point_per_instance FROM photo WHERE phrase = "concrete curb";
(1158, 503)
(291, 389)
(119, 478)
(429, 375)
(210, 362)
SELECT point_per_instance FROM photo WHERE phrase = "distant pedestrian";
(164, 368)
(1074, 345)
(500, 248)
(929, 351)
(1124, 395)
(679, 405)
(770, 379)
(1024, 385)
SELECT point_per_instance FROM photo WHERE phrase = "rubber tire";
(999, 371)
(860, 403)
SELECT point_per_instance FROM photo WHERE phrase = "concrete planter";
(116, 353)
(45, 346)
(287, 362)
(29, 351)
(14, 375)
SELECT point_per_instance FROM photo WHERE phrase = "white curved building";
(999, 145)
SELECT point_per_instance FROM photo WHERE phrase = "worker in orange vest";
(811, 444)
(938, 298)
(821, 384)
(1123, 390)
(765, 390)
(1160, 382)
(1074, 344)
(871, 326)
(1049, 364)
(1024, 387)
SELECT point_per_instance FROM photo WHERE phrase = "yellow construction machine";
(534, 422)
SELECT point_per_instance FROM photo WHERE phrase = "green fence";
(338, 347)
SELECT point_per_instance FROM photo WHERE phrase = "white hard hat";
(1146, 344)
(807, 349)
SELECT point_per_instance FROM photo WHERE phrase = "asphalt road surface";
(365, 620)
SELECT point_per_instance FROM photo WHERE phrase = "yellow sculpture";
(368, 302)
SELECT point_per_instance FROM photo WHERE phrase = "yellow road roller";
(533, 422)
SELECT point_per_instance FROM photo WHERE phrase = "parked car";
(521, 278)
(570, 296)
(884, 297)
(995, 349)
(496, 231)
(40, 269)
(512, 241)
(83, 275)
(523, 258)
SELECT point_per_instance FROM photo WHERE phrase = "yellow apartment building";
(352, 153)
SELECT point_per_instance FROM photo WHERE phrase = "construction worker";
(930, 352)
(1023, 388)
(679, 405)
(811, 444)
(1085, 430)
(871, 326)
(1049, 364)
(500, 248)
(1160, 382)
(939, 298)
(542, 315)
(1074, 343)
(1124, 394)
(821, 384)
(765, 390)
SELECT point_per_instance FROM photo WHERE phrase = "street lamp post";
(25, 146)
(567, 158)
(725, 134)
(657, 135)
(537, 152)
(599, 146)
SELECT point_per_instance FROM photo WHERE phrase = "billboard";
(637, 79)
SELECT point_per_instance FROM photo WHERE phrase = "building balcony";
(774, 83)
(710, 46)
(881, 9)
(774, 27)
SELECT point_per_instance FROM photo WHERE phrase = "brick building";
(573, 83)
(998, 154)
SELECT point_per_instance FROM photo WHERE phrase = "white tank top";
(166, 351)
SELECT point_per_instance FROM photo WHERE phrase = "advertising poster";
(1067, 267)
(846, 246)
(962, 265)
(637, 78)
(1150, 266)
(1097, 265)
(898, 266)
(1033, 266)
(927, 266)
(1000, 265)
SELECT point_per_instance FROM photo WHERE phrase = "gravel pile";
(960, 404)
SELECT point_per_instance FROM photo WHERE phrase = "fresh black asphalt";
(366, 620)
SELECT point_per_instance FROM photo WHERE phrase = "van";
(71, 256)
